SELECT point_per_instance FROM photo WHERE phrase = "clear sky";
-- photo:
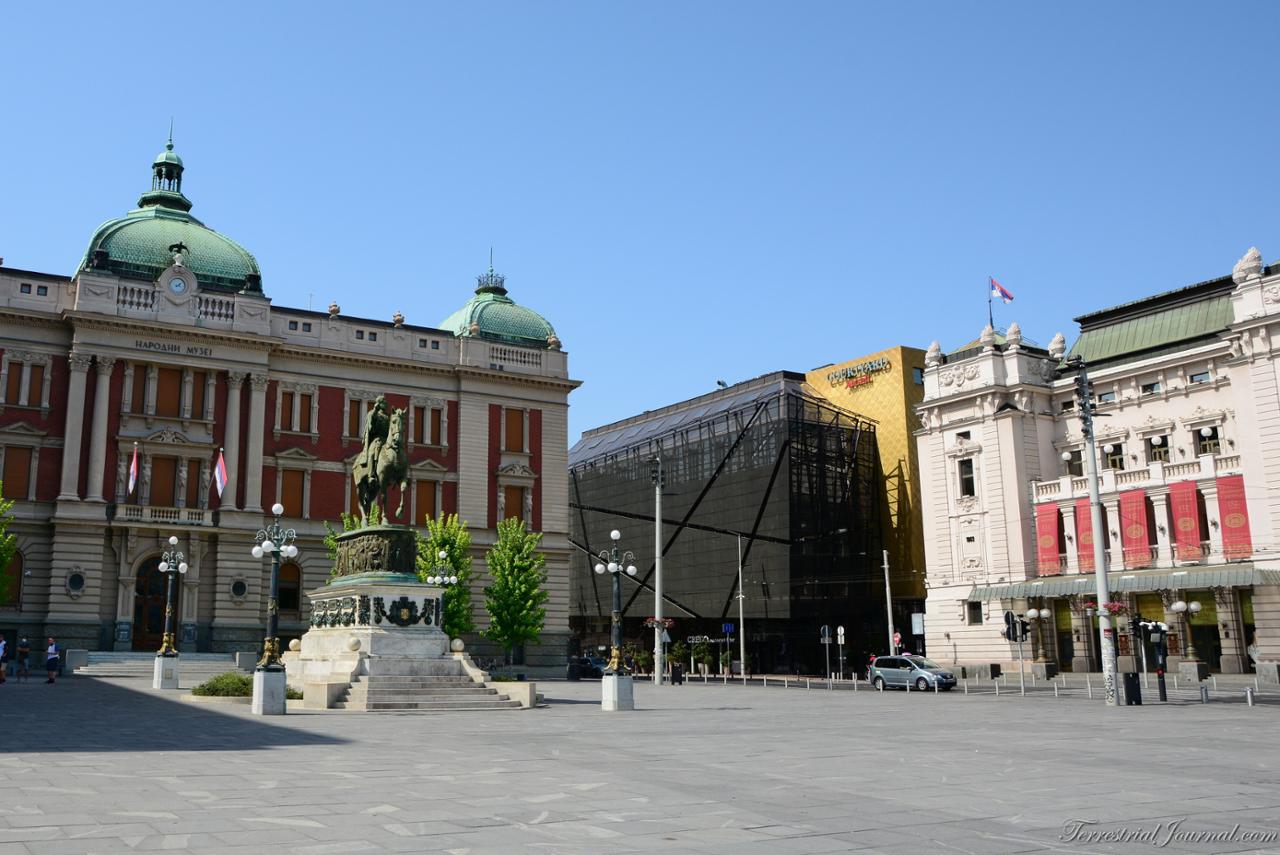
(688, 191)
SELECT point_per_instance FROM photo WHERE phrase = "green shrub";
(233, 684)
(292, 694)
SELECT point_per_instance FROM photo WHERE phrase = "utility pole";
(1084, 391)
(742, 627)
(888, 602)
(658, 629)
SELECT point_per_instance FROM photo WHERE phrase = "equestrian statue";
(383, 460)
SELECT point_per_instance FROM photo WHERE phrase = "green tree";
(679, 652)
(8, 548)
(514, 600)
(449, 535)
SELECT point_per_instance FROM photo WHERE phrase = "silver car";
(916, 672)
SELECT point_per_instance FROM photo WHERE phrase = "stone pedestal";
(616, 693)
(268, 692)
(1268, 674)
(1193, 670)
(1044, 670)
(165, 675)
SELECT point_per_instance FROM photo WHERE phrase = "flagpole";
(990, 287)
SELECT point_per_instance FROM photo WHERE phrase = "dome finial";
(169, 145)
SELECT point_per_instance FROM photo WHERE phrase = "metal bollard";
(997, 682)
(1204, 694)
(855, 682)
(908, 686)
(806, 683)
(1256, 687)
(1214, 678)
(1175, 682)
(1248, 696)
(766, 682)
(966, 685)
(1088, 684)
(1055, 690)
(935, 687)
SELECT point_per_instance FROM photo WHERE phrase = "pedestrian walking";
(52, 658)
(4, 658)
(24, 660)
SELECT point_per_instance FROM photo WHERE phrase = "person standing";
(52, 658)
(24, 660)
(4, 657)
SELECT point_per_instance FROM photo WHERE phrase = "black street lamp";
(276, 541)
(172, 563)
(616, 562)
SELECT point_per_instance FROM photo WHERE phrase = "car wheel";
(878, 682)
(922, 685)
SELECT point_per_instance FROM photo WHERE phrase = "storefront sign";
(1184, 502)
(1047, 538)
(853, 376)
(1234, 513)
(172, 347)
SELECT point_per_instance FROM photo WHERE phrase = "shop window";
(1158, 449)
(289, 589)
(1207, 441)
(199, 380)
(11, 585)
(968, 484)
(291, 484)
(424, 502)
(169, 392)
(17, 472)
(13, 386)
(514, 430)
(164, 475)
(975, 614)
(1075, 463)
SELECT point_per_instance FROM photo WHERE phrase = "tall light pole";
(269, 677)
(616, 691)
(888, 603)
(659, 627)
(172, 563)
(1084, 391)
(742, 621)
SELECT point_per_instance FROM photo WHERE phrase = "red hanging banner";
(1047, 547)
(1084, 536)
(1184, 502)
(1234, 514)
(1134, 534)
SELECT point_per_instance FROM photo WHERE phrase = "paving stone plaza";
(97, 765)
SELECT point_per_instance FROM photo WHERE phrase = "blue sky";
(690, 192)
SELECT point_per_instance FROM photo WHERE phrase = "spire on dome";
(166, 180)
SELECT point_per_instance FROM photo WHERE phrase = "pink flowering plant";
(1116, 607)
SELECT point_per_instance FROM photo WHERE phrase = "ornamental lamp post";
(616, 688)
(165, 675)
(269, 677)
(442, 576)
(1190, 666)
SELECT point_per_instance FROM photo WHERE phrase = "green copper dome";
(143, 243)
(492, 314)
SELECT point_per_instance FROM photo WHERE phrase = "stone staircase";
(403, 683)
(195, 667)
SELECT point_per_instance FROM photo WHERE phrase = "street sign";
(824, 634)
(697, 639)
(666, 638)
(840, 634)
(727, 628)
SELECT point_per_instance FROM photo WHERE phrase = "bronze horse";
(380, 465)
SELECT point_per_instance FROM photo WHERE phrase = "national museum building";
(163, 341)
(1188, 442)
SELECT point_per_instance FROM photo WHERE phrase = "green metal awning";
(1242, 575)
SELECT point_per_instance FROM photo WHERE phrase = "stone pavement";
(92, 765)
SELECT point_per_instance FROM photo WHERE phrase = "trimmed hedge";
(235, 684)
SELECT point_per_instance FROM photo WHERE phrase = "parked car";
(591, 666)
(916, 672)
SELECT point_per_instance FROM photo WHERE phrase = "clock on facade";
(178, 286)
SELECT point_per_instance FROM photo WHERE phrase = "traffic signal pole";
(1084, 391)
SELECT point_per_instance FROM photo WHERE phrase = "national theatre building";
(163, 340)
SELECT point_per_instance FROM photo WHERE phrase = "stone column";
(253, 457)
(98, 434)
(210, 387)
(187, 383)
(126, 393)
(231, 439)
(1164, 531)
(153, 377)
(70, 488)
(1230, 631)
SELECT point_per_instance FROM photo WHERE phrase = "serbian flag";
(999, 292)
(133, 470)
(220, 474)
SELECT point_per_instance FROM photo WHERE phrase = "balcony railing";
(168, 516)
(1152, 475)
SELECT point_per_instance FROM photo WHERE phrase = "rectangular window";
(1068, 406)
(353, 417)
(1200, 377)
(513, 503)
(422, 343)
(436, 438)
(306, 326)
(424, 502)
(293, 325)
(1113, 456)
(1158, 449)
(359, 335)
(286, 411)
(435, 345)
(304, 413)
(25, 288)
(42, 290)
(1151, 388)
(975, 614)
(13, 388)
(193, 484)
(1106, 397)
(373, 336)
(35, 388)
(169, 392)
(291, 492)
(515, 431)
(138, 399)
(199, 380)
(968, 484)
(917, 376)
(17, 472)
(419, 425)
(164, 475)
(1207, 441)
(1075, 463)
(963, 434)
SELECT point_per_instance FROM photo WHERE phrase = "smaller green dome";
(493, 315)
(167, 156)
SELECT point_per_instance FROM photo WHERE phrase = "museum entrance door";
(148, 606)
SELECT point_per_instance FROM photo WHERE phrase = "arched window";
(11, 583)
(290, 590)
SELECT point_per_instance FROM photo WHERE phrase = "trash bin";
(573, 671)
(677, 674)
(1132, 689)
